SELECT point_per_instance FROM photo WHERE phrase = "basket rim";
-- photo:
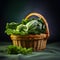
(29, 36)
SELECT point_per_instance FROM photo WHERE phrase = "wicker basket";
(37, 42)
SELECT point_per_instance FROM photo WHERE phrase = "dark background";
(16, 10)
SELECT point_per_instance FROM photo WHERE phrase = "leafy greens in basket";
(32, 26)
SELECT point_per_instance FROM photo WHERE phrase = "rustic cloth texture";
(52, 52)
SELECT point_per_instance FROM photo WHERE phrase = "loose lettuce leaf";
(10, 28)
(25, 21)
(8, 31)
(11, 49)
(12, 25)
(22, 29)
(40, 20)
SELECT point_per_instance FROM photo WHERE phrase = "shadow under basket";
(37, 42)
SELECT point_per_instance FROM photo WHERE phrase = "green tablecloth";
(52, 52)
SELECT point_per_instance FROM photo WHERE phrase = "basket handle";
(40, 16)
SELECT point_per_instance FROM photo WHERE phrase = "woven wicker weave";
(37, 42)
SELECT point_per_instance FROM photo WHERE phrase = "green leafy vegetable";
(10, 28)
(25, 21)
(35, 27)
(30, 26)
(22, 29)
(40, 20)
(12, 25)
(9, 31)
(12, 49)
(18, 50)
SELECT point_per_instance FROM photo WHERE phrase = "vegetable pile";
(18, 50)
(30, 26)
